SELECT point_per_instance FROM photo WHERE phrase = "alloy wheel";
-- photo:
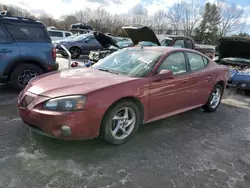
(26, 76)
(215, 98)
(123, 123)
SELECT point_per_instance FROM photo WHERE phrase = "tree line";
(206, 24)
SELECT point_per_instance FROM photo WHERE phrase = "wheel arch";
(222, 84)
(128, 98)
(76, 47)
(11, 66)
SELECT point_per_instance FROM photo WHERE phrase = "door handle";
(184, 81)
(210, 75)
(5, 51)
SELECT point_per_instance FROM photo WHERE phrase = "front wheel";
(23, 74)
(214, 99)
(120, 123)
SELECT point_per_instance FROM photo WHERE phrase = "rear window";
(67, 34)
(55, 33)
(26, 33)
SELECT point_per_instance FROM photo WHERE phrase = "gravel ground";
(190, 150)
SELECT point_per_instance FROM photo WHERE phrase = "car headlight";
(67, 103)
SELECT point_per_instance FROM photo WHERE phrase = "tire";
(213, 107)
(247, 92)
(75, 52)
(109, 124)
(29, 69)
(64, 55)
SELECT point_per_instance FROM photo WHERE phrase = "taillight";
(54, 53)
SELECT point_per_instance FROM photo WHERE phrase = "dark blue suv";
(26, 51)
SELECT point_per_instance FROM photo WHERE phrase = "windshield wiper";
(106, 70)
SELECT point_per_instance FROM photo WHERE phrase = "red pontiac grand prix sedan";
(127, 88)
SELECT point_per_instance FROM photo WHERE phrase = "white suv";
(58, 34)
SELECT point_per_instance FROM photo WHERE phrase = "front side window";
(130, 61)
(26, 33)
(196, 61)
(175, 62)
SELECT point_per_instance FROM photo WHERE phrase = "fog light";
(66, 130)
(243, 85)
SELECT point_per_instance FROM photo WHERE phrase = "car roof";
(20, 20)
(57, 30)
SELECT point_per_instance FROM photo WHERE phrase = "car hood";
(141, 33)
(236, 75)
(235, 61)
(105, 40)
(234, 47)
(74, 81)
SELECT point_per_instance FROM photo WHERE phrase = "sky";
(57, 8)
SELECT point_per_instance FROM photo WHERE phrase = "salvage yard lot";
(193, 149)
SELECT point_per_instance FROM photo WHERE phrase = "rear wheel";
(214, 99)
(120, 123)
(75, 52)
(23, 74)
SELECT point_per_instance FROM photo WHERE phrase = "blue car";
(26, 51)
(239, 77)
(80, 45)
(234, 52)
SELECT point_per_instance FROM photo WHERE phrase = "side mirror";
(164, 74)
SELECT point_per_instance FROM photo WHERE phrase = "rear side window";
(67, 34)
(196, 61)
(26, 33)
(3, 38)
(55, 33)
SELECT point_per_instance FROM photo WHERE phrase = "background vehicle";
(127, 88)
(25, 50)
(80, 45)
(58, 34)
(81, 26)
(234, 52)
(144, 36)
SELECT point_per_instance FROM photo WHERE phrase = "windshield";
(130, 61)
(166, 42)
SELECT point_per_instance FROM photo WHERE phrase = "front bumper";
(242, 85)
(82, 125)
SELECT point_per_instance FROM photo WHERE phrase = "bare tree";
(83, 15)
(231, 18)
(160, 21)
(192, 15)
(175, 16)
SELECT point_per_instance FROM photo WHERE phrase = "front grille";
(26, 101)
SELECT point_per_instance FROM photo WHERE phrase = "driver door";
(168, 97)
